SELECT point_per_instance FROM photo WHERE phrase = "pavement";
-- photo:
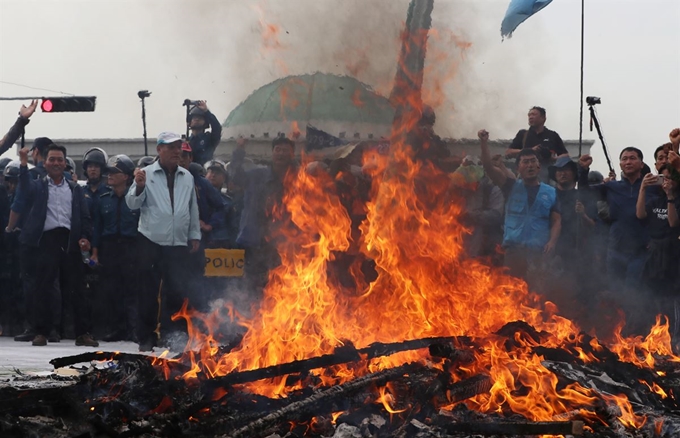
(28, 359)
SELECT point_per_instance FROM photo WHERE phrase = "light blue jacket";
(524, 225)
(158, 220)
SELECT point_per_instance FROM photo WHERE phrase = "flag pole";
(580, 130)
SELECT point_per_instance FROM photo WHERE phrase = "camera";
(143, 93)
(592, 100)
(189, 102)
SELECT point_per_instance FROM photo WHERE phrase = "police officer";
(94, 166)
(12, 309)
(114, 248)
(221, 235)
(203, 143)
(71, 169)
(209, 202)
(3, 163)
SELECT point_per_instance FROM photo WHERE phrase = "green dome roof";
(312, 98)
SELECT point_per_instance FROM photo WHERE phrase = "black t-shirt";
(657, 215)
(550, 142)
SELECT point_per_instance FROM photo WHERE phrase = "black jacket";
(36, 193)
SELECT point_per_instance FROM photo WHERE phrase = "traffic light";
(68, 104)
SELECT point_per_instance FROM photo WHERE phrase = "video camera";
(189, 102)
(143, 93)
(592, 100)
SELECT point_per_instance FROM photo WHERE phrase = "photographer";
(543, 141)
(656, 208)
(203, 144)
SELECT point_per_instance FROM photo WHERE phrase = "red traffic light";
(70, 104)
(46, 106)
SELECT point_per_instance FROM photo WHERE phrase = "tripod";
(142, 95)
(596, 122)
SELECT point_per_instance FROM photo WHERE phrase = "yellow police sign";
(224, 262)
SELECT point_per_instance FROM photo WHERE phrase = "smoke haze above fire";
(222, 51)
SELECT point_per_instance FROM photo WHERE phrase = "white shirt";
(59, 200)
(159, 221)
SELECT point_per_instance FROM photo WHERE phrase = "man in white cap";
(169, 230)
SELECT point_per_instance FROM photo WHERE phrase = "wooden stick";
(104, 355)
(306, 406)
(514, 428)
(342, 355)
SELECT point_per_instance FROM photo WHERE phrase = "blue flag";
(518, 11)
(318, 139)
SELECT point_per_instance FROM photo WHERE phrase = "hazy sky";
(216, 50)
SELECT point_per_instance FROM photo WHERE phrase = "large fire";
(426, 286)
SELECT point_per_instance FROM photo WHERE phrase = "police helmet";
(145, 161)
(595, 177)
(216, 164)
(121, 163)
(196, 169)
(70, 165)
(197, 112)
(11, 170)
(4, 162)
(95, 156)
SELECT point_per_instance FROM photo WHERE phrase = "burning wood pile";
(580, 388)
(436, 344)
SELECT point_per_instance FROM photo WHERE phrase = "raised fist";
(140, 178)
(27, 111)
(23, 156)
(585, 161)
(674, 136)
(483, 134)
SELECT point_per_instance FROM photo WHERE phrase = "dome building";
(339, 105)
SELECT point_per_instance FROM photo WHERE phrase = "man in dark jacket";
(114, 245)
(57, 226)
(203, 143)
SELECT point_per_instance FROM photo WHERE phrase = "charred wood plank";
(61, 362)
(341, 356)
(514, 428)
(471, 387)
(304, 407)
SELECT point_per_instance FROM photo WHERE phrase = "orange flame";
(425, 287)
(641, 352)
(628, 418)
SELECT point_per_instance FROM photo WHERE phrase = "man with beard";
(264, 191)
(203, 143)
(169, 231)
(532, 216)
(56, 229)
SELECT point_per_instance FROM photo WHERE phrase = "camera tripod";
(596, 122)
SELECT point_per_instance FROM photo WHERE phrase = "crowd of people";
(117, 256)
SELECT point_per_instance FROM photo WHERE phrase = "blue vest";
(528, 226)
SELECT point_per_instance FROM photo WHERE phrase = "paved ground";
(28, 359)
